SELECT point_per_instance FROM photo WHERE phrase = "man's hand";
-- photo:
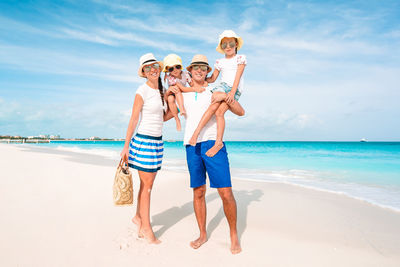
(230, 98)
(217, 97)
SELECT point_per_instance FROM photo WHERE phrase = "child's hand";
(174, 89)
(230, 98)
(205, 84)
(199, 89)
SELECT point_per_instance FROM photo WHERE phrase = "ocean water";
(368, 171)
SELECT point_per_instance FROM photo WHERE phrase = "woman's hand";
(125, 154)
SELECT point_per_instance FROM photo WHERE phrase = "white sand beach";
(56, 210)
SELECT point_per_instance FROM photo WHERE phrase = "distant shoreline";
(37, 140)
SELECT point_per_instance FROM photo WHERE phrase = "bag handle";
(123, 160)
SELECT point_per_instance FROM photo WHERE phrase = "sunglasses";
(147, 68)
(202, 67)
(171, 69)
(231, 44)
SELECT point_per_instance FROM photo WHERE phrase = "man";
(217, 167)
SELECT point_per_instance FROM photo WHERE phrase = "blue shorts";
(225, 88)
(216, 167)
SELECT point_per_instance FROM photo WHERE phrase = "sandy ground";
(56, 210)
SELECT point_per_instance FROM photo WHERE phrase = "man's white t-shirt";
(196, 105)
(152, 113)
(228, 68)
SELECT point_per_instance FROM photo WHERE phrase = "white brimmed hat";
(171, 60)
(229, 34)
(147, 59)
(199, 60)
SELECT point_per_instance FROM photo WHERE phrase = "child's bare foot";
(235, 246)
(183, 113)
(198, 242)
(136, 220)
(149, 236)
(178, 123)
(214, 150)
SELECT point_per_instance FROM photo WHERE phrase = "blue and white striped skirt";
(146, 153)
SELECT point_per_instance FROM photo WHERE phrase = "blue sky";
(317, 70)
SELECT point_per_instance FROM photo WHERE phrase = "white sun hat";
(147, 59)
(229, 34)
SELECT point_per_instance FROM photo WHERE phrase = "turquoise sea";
(369, 171)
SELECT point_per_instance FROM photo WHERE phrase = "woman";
(144, 151)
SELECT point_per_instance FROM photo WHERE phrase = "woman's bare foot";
(214, 150)
(178, 123)
(149, 236)
(136, 220)
(235, 245)
(198, 242)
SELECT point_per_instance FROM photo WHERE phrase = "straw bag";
(123, 189)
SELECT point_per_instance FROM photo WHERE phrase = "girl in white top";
(144, 151)
(227, 93)
(176, 77)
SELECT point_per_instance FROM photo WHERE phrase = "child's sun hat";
(147, 59)
(171, 60)
(229, 34)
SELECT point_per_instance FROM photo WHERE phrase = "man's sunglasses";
(171, 69)
(231, 44)
(147, 68)
(202, 67)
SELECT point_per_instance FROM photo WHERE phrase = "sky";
(316, 71)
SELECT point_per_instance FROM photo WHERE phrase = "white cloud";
(90, 37)
(395, 34)
(14, 25)
(197, 31)
(138, 8)
(44, 60)
(128, 36)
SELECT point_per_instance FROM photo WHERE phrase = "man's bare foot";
(235, 245)
(136, 220)
(214, 150)
(236, 249)
(198, 242)
(178, 124)
(149, 236)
